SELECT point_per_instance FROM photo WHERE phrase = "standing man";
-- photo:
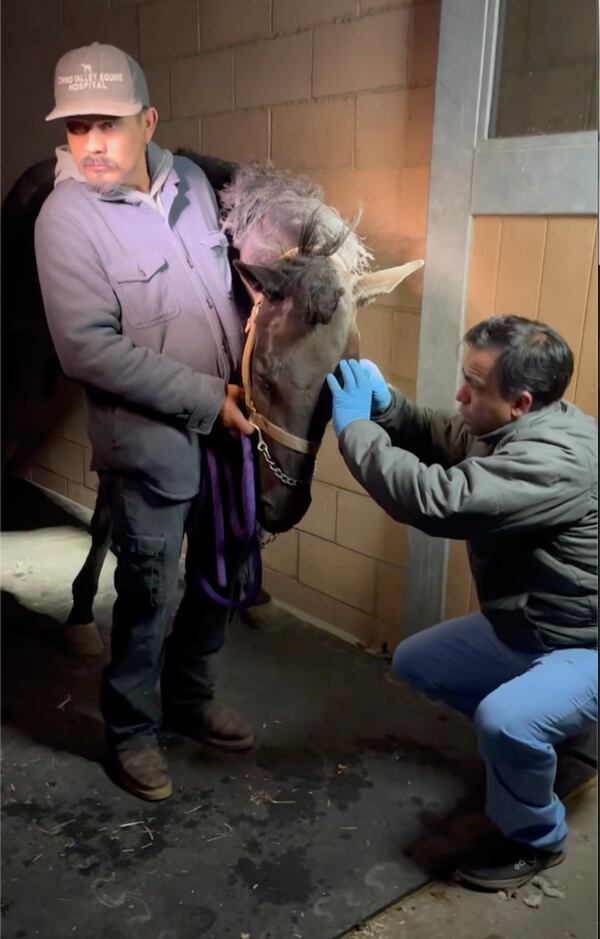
(515, 475)
(137, 290)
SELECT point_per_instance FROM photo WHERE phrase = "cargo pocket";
(141, 571)
(144, 290)
(217, 246)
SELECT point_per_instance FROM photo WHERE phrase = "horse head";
(302, 323)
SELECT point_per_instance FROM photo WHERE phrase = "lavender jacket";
(138, 297)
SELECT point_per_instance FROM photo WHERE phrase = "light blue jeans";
(521, 704)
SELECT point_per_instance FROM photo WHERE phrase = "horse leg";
(81, 631)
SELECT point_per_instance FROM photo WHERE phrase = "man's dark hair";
(533, 357)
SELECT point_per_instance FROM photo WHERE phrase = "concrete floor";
(440, 910)
(444, 909)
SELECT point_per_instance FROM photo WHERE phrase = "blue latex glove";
(382, 396)
(352, 402)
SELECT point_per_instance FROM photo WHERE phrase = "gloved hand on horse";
(364, 391)
(352, 400)
(382, 396)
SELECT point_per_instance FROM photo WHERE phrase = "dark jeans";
(148, 669)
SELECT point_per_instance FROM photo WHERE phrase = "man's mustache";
(99, 161)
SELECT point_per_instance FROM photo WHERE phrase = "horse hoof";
(83, 639)
(263, 597)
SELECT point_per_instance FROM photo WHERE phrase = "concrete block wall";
(341, 90)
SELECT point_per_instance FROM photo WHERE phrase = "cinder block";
(202, 85)
(363, 526)
(64, 458)
(239, 135)
(274, 71)
(375, 327)
(375, 191)
(368, 6)
(405, 344)
(337, 572)
(419, 133)
(168, 28)
(414, 200)
(75, 426)
(299, 596)
(423, 43)
(81, 495)
(315, 135)
(320, 518)
(119, 29)
(49, 480)
(74, 11)
(289, 15)
(393, 252)
(158, 77)
(227, 22)
(368, 631)
(331, 467)
(281, 555)
(367, 53)
(390, 598)
(381, 128)
(26, 18)
(181, 133)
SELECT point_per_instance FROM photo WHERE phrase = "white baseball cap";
(98, 79)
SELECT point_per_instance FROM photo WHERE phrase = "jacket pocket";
(216, 244)
(144, 291)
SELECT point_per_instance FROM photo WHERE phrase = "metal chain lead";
(276, 470)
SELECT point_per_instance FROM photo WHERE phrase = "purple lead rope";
(242, 524)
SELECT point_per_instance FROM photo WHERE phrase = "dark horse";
(305, 271)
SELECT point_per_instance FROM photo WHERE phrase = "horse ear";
(259, 280)
(370, 286)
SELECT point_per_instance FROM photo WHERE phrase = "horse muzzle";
(281, 508)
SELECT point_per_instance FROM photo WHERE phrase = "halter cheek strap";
(299, 444)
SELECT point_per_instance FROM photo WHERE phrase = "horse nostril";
(280, 512)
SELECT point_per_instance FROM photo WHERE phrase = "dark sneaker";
(212, 723)
(143, 772)
(504, 863)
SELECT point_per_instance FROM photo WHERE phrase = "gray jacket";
(524, 497)
(137, 292)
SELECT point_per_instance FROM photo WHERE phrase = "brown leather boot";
(212, 723)
(143, 772)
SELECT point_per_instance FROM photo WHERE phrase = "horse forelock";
(287, 208)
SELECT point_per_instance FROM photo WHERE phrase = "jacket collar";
(525, 423)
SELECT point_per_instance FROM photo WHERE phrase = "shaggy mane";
(258, 191)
